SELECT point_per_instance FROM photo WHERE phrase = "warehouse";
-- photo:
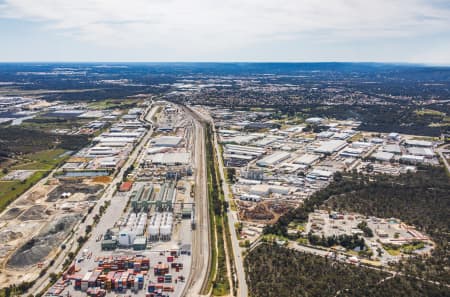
(420, 143)
(228, 132)
(167, 141)
(314, 121)
(99, 151)
(320, 174)
(341, 136)
(109, 162)
(330, 146)
(361, 144)
(273, 159)
(264, 190)
(122, 134)
(383, 156)
(244, 150)
(412, 159)
(421, 151)
(307, 159)
(170, 159)
(377, 140)
(352, 152)
(236, 160)
(266, 141)
(242, 139)
(325, 134)
(249, 197)
(109, 140)
(392, 148)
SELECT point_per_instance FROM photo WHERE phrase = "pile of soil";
(12, 213)
(72, 188)
(39, 247)
(36, 212)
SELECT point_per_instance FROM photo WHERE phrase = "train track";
(201, 252)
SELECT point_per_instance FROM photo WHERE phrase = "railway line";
(201, 252)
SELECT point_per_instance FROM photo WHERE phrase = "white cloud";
(218, 25)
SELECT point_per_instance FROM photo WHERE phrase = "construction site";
(35, 225)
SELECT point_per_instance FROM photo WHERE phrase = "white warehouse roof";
(273, 159)
(307, 159)
(383, 156)
(330, 146)
(422, 143)
(170, 158)
(170, 141)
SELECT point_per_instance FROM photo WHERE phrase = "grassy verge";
(218, 274)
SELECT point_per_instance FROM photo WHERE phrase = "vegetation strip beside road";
(218, 279)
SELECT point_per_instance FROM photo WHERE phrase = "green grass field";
(10, 190)
(113, 103)
(43, 160)
(429, 112)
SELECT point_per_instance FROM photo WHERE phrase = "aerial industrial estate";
(181, 185)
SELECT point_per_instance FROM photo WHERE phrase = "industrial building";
(419, 143)
(307, 159)
(232, 160)
(352, 152)
(320, 174)
(243, 139)
(392, 148)
(330, 146)
(253, 151)
(273, 159)
(421, 151)
(166, 141)
(265, 190)
(383, 156)
(412, 159)
(160, 226)
(314, 121)
(170, 159)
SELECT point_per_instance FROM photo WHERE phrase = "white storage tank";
(124, 238)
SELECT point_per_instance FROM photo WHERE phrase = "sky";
(414, 31)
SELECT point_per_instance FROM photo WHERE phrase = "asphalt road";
(242, 289)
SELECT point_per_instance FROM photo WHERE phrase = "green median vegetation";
(218, 279)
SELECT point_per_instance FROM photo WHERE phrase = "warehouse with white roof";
(167, 141)
(307, 159)
(330, 146)
(273, 159)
